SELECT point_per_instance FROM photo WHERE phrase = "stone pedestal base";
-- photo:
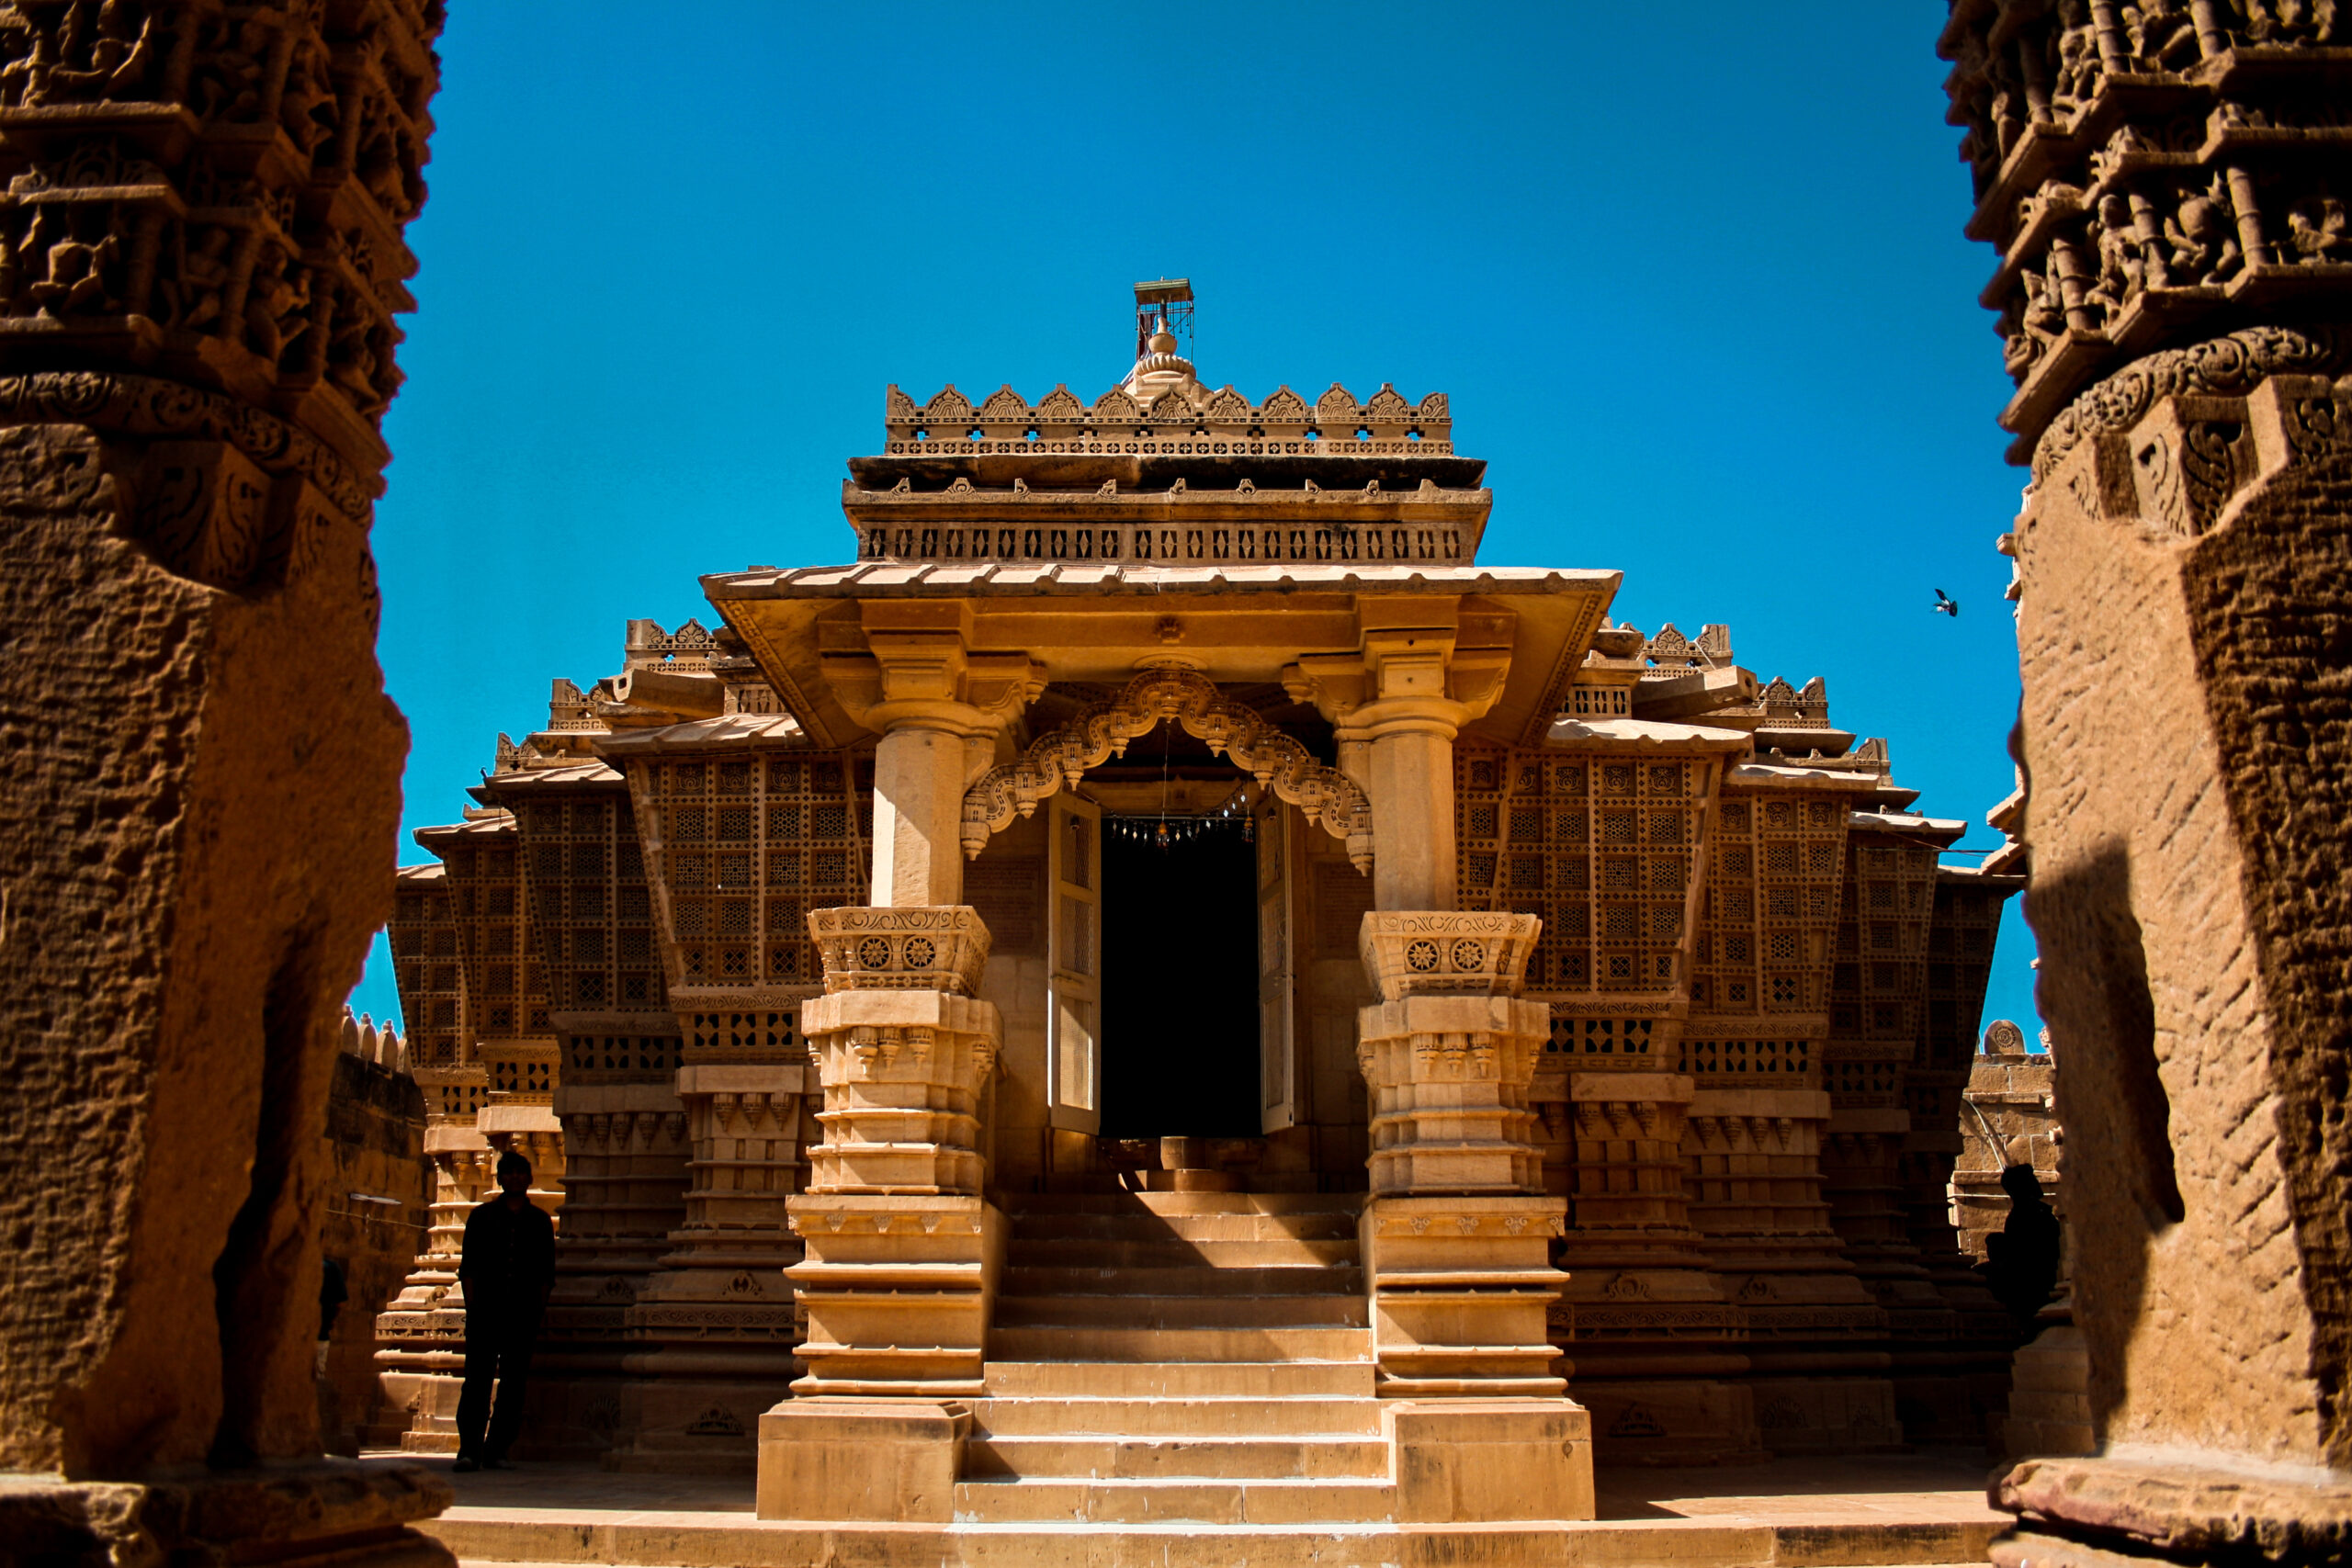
(1460, 1291)
(2049, 1397)
(895, 1461)
(1484, 1460)
(2106, 1513)
(897, 1289)
(312, 1513)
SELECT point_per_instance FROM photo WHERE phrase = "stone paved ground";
(1909, 1509)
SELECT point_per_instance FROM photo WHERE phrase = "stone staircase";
(1175, 1357)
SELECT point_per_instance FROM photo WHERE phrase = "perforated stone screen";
(1879, 988)
(745, 846)
(1771, 910)
(428, 969)
(1959, 960)
(1599, 847)
(1766, 925)
(593, 912)
(506, 994)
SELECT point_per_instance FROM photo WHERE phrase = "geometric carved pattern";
(1599, 847)
(1225, 425)
(488, 882)
(1770, 910)
(1878, 988)
(590, 905)
(745, 846)
(1960, 958)
(1325, 796)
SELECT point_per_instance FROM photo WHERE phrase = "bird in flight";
(1946, 604)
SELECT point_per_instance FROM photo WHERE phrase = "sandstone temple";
(1572, 1033)
(1158, 1010)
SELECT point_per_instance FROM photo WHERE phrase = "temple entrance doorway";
(1180, 945)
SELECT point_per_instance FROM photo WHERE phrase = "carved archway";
(1327, 797)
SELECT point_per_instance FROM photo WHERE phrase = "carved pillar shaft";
(920, 771)
(899, 1242)
(197, 285)
(2181, 588)
(1412, 785)
(903, 1252)
(1456, 1237)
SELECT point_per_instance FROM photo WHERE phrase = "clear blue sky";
(1691, 274)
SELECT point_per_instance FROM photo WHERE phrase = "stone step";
(1069, 1252)
(1184, 1227)
(1238, 1279)
(1336, 1501)
(1344, 1379)
(1211, 1416)
(1347, 1203)
(1093, 1344)
(1279, 1458)
(1183, 1312)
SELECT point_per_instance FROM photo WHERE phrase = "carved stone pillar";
(1396, 705)
(903, 1251)
(921, 766)
(1449, 1053)
(938, 707)
(1457, 1234)
(1410, 779)
(2183, 598)
(200, 258)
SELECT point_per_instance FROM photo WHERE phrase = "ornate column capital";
(1402, 680)
(929, 678)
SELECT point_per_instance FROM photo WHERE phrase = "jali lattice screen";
(1599, 847)
(746, 847)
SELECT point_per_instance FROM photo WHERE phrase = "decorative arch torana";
(1327, 796)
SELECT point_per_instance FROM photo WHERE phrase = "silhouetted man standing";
(507, 1269)
(2021, 1259)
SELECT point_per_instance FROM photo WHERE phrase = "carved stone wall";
(376, 1223)
(201, 257)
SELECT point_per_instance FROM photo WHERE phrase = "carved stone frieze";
(217, 192)
(901, 949)
(2228, 367)
(1414, 953)
(1188, 420)
(1449, 1053)
(2149, 172)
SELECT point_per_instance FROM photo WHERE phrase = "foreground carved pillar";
(903, 1251)
(201, 257)
(2182, 572)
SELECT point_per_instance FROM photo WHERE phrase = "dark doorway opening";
(1180, 986)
